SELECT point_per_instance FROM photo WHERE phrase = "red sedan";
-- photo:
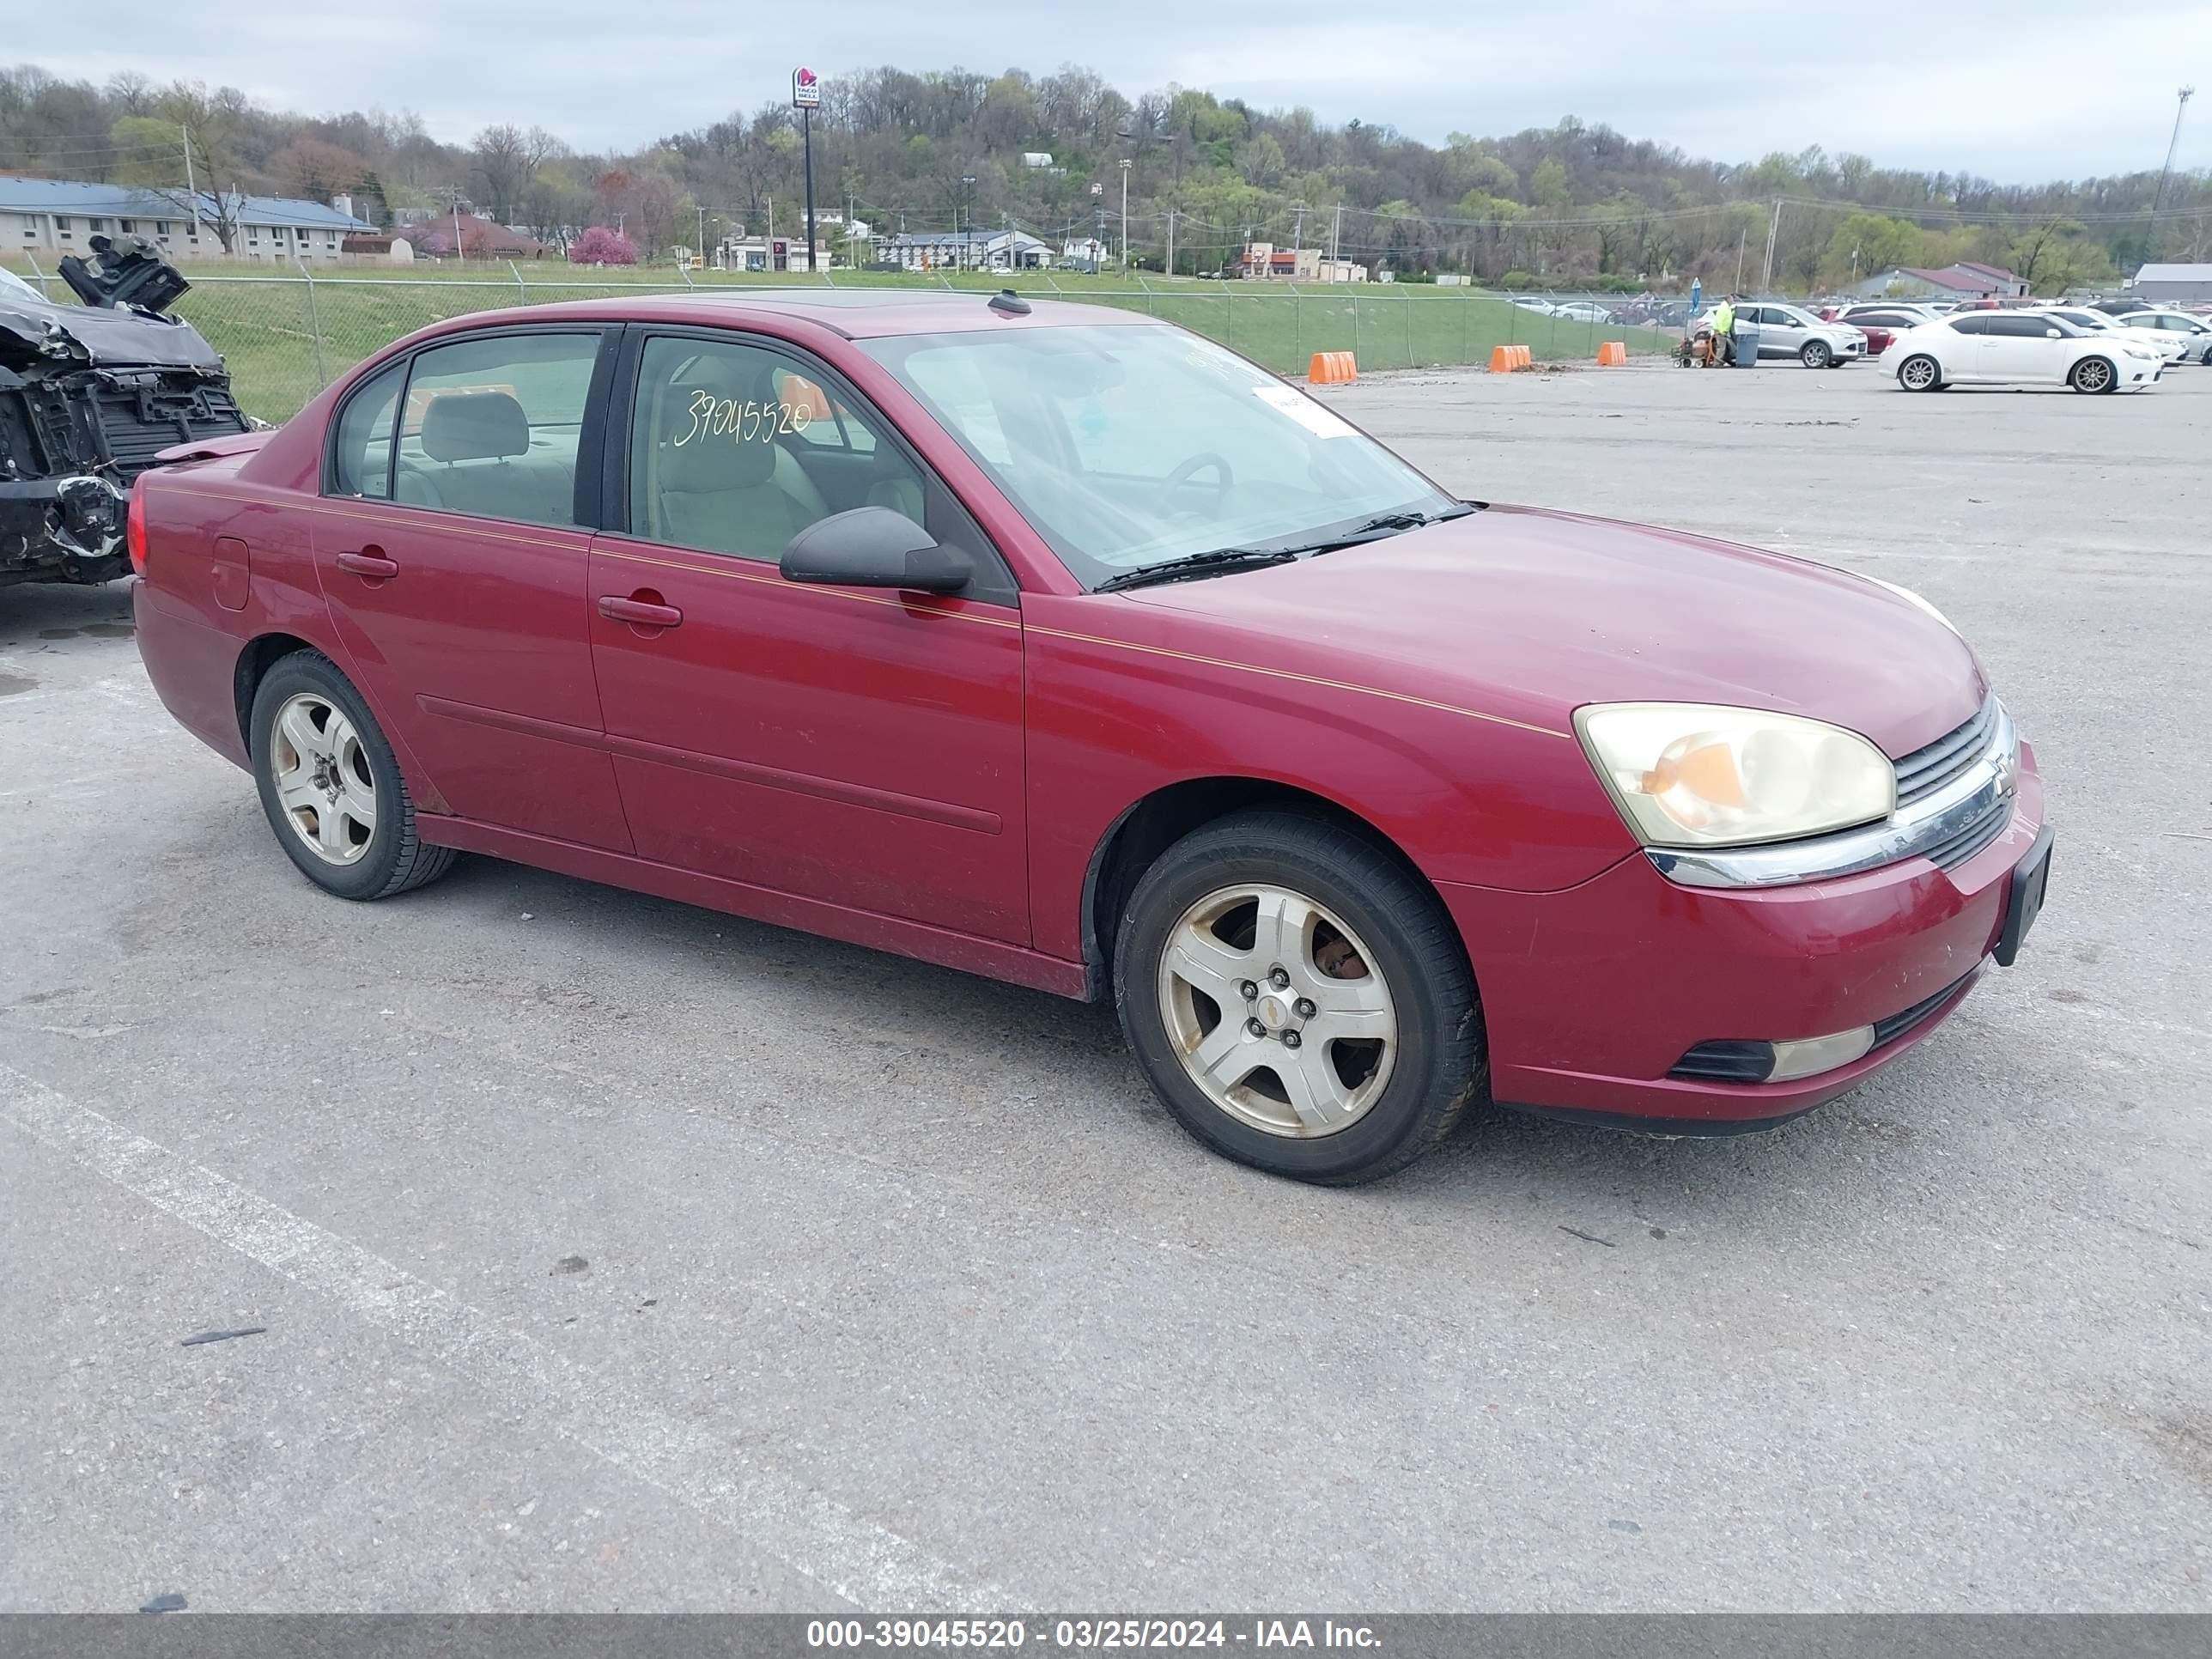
(1059, 645)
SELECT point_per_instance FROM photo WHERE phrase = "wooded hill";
(1572, 204)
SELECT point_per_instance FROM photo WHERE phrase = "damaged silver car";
(89, 395)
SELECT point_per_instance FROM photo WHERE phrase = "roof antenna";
(1007, 303)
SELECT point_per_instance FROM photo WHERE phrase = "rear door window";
(491, 427)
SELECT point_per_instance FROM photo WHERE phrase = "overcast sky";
(2042, 94)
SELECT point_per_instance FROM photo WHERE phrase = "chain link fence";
(287, 337)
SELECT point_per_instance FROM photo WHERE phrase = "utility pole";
(699, 251)
(1773, 233)
(1742, 236)
(1171, 218)
(1335, 231)
(1125, 212)
(191, 190)
(1298, 231)
(2158, 197)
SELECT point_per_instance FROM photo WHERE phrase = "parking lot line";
(779, 1514)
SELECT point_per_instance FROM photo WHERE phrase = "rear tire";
(1336, 939)
(1920, 373)
(331, 786)
(1817, 353)
(2094, 376)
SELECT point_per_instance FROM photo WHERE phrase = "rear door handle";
(368, 562)
(638, 613)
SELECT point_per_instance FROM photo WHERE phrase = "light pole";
(1125, 212)
(967, 219)
(2158, 197)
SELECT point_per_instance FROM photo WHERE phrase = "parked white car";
(2193, 333)
(1542, 307)
(1583, 311)
(2021, 348)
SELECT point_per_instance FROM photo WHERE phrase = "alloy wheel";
(323, 779)
(1277, 1012)
(2094, 374)
(1918, 374)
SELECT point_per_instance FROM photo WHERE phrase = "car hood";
(99, 337)
(1534, 613)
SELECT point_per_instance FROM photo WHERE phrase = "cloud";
(2008, 99)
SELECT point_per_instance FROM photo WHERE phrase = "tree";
(598, 245)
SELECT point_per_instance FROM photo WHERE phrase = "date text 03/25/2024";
(1087, 1633)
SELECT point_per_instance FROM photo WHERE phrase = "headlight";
(1694, 775)
(1913, 598)
(2139, 351)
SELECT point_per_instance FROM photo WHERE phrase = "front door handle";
(368, 562)
(638, 613)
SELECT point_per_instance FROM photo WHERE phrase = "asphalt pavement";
(608, 1254)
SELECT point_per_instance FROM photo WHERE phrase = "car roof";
(856, 313)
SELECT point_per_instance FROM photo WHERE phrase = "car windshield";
(1127, 446)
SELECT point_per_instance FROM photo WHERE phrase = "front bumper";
(68, 528)
(1592, 994)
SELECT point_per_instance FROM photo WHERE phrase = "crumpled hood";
(100, 338)
(1549, 611)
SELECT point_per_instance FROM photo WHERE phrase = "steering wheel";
(1225, 479)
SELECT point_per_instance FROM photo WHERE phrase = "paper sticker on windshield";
(1305, 411)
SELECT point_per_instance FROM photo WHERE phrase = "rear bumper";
(1592, 994)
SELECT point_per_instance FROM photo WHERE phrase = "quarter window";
(726, 455)
(491, 427)
(1978, 324)
(361, 462)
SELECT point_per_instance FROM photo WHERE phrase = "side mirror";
(2052, 334)
(874, 547)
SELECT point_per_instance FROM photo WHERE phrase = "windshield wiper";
(1192, 566)
(1382, 525)
(1222, 560)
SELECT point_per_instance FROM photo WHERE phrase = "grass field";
(285, 338)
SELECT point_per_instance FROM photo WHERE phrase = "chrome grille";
(1924, 771)
(1950, 853)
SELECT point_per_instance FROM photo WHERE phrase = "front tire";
(2094, 375)
(1920, 373)
(1817, 353)
(331, 787)
(1298, 999)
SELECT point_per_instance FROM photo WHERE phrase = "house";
(965, 250)
(1966, 279)
(1265, 262)
(2172, 284)
(480, 239)
(61, 215)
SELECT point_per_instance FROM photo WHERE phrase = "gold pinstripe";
(733, 575)
(835, 592)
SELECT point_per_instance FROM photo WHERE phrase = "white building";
(55, 216)
(966, 249)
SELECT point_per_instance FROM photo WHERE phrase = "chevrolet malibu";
(1059, 645)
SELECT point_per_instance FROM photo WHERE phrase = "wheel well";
(1163, 818)
(253, 663)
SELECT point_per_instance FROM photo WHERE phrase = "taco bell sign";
(806, 89)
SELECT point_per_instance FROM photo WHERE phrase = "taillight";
(134, 530)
